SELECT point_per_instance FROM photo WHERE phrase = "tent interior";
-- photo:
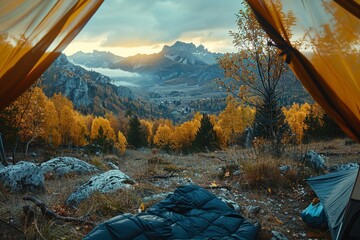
(33, 34)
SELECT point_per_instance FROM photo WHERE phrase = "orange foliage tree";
(121, 143)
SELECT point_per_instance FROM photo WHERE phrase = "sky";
(129, 27)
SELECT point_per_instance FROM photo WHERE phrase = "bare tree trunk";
(2, 152)
(27, 145)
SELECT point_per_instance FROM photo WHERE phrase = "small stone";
(277, 236)
(253, 209)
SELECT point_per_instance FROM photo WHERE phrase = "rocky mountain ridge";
(186, 62)
(90, 91)
(96, 59)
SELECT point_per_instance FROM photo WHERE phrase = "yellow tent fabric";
(328, 64)
(32, 35)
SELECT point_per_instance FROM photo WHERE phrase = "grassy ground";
(257, 182)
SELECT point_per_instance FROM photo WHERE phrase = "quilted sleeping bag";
(191, 212)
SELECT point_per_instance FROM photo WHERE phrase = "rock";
(277, 236)
(24, 176)
(315, 160)
(109, 181)
(112, 165)
(344, 167)
(253, 209)
(236, 173)
(284, 168)
(33, 154)
(64, 165)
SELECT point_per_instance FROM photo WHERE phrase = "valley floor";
(274, 201)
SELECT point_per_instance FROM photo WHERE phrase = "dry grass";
(281, 196)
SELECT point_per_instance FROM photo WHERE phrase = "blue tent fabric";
(190, 213)
(334, 191)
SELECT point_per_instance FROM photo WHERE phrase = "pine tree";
(136, 137)
(270, 124)
(206, 138)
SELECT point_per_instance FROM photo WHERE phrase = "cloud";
(137, 23)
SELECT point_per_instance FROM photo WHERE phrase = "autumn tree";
(78, 130)
(146, 127)
(295, 117)
(163, 137)
(32, 124)
(184, 135)
(257, 74)
(102, 134)
(206, 138)
(121, 143)
(66, 120)
(234, 119)
(51, 132)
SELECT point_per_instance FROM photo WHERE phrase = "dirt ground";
(274, 201)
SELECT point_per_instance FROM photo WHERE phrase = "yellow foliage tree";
(100, 122)
(121, 143)
(32, 106)
(163, 137)
(184, 135)
(115, 124)
(234, 119)
(78, 130)
(147, 127)
(66, 120)
(60, 102)
(295, 117)
(51, 132)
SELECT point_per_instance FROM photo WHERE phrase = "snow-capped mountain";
(96, 59)
(181, 60)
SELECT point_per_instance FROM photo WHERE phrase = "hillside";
(92, 92)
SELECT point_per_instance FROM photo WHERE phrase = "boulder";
(24, 176)
(315, 160)
(64, 165)
(344, 167)
(109, 181)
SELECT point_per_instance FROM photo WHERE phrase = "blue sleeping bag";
(190, 212)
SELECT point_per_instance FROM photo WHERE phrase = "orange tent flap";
(32, 36)
(327, 62)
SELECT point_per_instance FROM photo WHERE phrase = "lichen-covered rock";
(64, 165)
(344, 167)
(109, 181)
(24, 176)
(315, 160)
